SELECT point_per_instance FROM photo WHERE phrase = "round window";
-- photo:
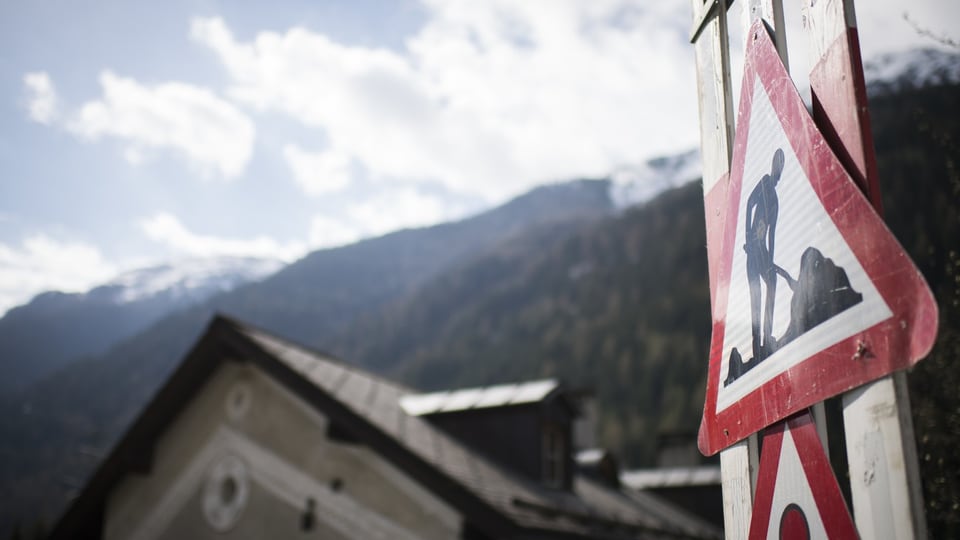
(225, 493)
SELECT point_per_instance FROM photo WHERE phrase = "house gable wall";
(247, 457)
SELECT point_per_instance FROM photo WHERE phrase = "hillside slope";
(57, 328)
(52, 434)
(621, 306)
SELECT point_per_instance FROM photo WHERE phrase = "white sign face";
(792, 495)
(796, 288)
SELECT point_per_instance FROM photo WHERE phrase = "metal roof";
(478, 398)
(590, 456)
(590, 511)
(672, 477)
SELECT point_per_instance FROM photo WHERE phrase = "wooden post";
(884, 472)
(771, 12)
(710, 36)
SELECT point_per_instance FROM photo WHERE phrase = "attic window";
(554, 453)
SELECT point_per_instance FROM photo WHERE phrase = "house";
(696, 488)
(256, 437)
(683, 476)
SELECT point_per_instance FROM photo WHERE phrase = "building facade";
(256, 437)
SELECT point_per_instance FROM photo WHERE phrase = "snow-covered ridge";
(915, 68)
(194, 278)
(635, 185)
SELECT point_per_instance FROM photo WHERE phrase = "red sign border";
(823, 483)
(895, 343)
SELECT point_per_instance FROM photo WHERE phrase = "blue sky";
(133, 133)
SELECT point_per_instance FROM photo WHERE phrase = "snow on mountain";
(190, 278)
(635, 185)
(915, 68)
(55, 328)
(885, 74)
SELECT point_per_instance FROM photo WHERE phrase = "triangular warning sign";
(797, 493)
(814, 296)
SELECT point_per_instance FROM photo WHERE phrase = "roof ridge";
(268, 335)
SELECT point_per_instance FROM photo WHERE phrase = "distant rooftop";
(672, 477)
(478, 398)
(591, 456)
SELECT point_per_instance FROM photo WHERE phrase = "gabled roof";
(368, 407)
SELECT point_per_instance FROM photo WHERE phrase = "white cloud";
(398, 209)
(882, 27)
(391, 210)
(327, 232)
(487, 98)
(167, 229)
(213, 135)
(42, 102)
(318, 173)
(42, 263)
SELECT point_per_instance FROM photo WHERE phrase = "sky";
(134, 133)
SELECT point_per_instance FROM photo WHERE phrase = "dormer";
(526, 428)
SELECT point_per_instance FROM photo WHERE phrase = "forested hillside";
(917, 135)
(622, 306)
(56, 328)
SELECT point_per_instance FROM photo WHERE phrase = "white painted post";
(738, 482)
(771, 11)
(710, 36)
(884, 472)
(887, 500)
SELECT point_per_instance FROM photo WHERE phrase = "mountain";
(555, 283)
(625, 299)
(191, 279)
(55, 328)
(620, 306)
(58, 328)
(917, 137)
(318, 296)
(636, 185)
(51, 435)
(901, 71)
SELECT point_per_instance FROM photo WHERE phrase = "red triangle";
(790, 379)
(812, 503)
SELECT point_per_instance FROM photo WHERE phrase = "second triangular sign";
(797, 494)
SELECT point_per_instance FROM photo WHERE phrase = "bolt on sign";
(814, 294)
